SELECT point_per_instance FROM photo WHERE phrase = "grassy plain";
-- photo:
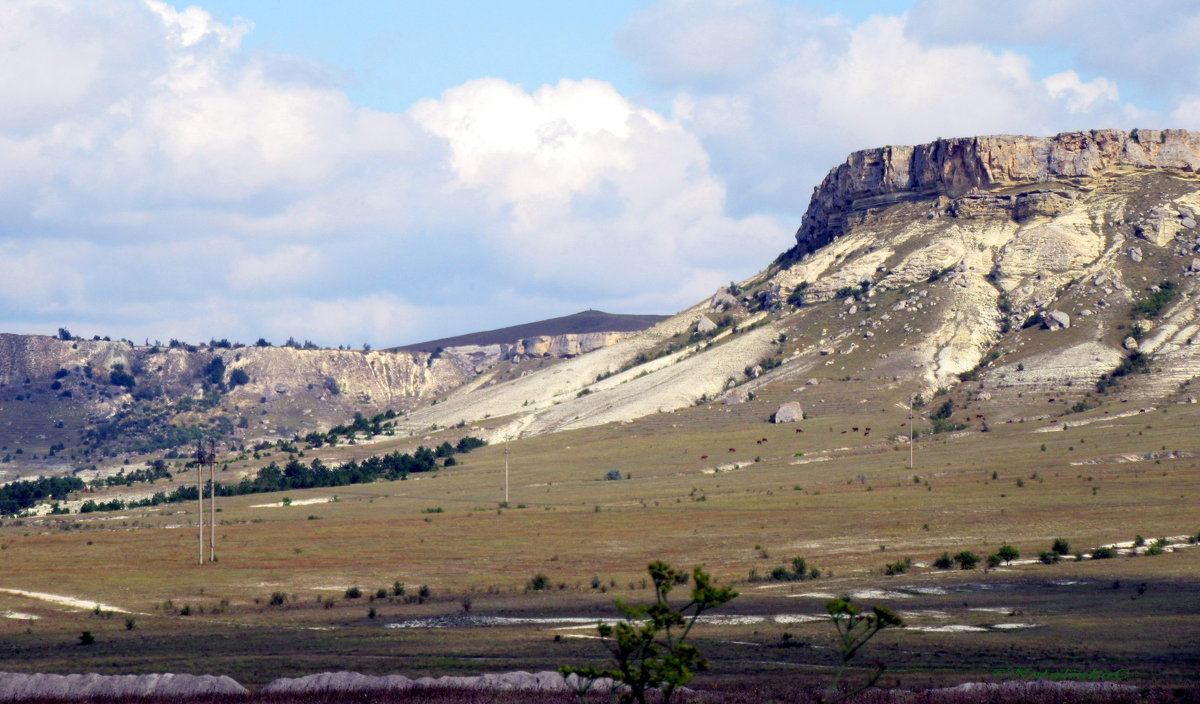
(716, 485)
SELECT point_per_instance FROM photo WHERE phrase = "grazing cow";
(799, 430)
(703, 457)
(855, 428)
(764, 439)
(843, 432)
(732, 449)
(758, 442)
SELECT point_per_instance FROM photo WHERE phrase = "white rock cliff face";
(955, 167)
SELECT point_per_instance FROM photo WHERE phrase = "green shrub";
(944, 562)
(1008, 553)
(966, 560)
(1061, 546)
(1049, 558)
(649, 646)
(1104, 553)
(538, 583)
(353, 593)
(1158, 300)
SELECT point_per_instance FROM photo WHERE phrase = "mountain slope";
(583, 322)
(917, 268)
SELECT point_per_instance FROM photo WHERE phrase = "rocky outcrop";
(546, 681)
(270, 391)
(15, 686)
(954, 168)
(569, 345)
(789, 412)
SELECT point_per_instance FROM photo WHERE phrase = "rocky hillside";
(1018, 277)
(996, 268)
(66, 403)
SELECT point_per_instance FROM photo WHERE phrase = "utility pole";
(212, 500)
(910, 434)
(200, 494)
(207, 457)
(506, 473)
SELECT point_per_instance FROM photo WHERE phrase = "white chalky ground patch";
(1010, 626)
(296, 502)
(66, 600)
(879, 594)
(949, 628)
(927, 613)
(578, 622)
(798, 618)
(928, 590)
(814, 595)
(18, 615)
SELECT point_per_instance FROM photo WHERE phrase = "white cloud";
(210, 188)
(824, 86)
(1149, 43)
(588, 189)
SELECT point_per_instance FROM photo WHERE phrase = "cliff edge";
(877, 177)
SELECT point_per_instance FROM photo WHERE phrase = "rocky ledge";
(955, 167)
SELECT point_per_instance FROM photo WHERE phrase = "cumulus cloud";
(207, 188)
(817, 87)
(587, 188)
(1150, 44)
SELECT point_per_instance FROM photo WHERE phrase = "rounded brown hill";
(583, 322)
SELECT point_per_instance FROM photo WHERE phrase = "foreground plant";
(854, 628)
(649, 647)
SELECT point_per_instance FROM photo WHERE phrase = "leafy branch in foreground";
(649, 646)
(854, 629)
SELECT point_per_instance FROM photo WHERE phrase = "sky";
(386, 171)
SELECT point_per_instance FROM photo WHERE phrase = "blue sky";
(385, 172)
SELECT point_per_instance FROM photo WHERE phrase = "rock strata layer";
(953, 168)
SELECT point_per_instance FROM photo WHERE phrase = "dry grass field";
(716, 485)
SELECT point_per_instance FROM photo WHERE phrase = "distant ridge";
(578, 323)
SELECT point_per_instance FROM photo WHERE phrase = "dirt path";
(68, 601)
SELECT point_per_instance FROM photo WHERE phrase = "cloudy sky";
(386, 171)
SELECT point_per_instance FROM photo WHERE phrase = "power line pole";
(506, 473)
(207, 457)
(910, 434)
(212, 500)
(200, 494)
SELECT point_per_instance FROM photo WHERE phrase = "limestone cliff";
(114, 396)
(874, 178)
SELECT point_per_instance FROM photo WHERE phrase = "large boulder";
(789, 412)
(705, 325)
(1057, 320)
